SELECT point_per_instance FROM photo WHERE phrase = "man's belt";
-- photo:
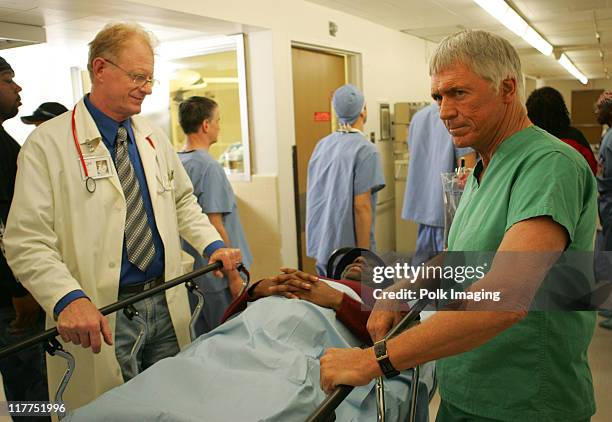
(140, 287)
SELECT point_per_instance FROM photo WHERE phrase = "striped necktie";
(138, 236)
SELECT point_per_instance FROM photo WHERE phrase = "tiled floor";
(600, 359)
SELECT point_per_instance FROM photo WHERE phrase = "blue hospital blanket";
(261, 365)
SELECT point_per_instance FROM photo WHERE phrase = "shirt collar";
(106, 125)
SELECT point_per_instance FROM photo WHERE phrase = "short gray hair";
(488, 55)
(110, 40)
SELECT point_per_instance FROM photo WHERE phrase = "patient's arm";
(354, 314)
(297, 284)
(283, 284)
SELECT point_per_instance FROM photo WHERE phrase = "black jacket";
(9, 149)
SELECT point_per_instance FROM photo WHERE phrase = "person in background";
(546, 109)
(603, 112)
(344, 175)
(79, 240)
(431, 153)
(200, 120)
(44, 112)
(23, 373)
(529, 199)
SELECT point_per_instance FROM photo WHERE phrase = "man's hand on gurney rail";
(229, 257)
(81, 323)
(348, 367)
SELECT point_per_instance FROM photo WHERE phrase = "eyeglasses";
(138, 80)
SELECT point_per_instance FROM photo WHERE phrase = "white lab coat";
(60, 237)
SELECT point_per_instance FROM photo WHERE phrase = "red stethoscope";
(90, 182)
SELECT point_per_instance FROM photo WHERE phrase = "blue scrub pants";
(430, 242)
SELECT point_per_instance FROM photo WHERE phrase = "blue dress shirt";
(130, 274)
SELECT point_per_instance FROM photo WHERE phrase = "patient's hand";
(321, 294)
(285, 284)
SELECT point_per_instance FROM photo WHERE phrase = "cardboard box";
(400, 132)
(402, 112)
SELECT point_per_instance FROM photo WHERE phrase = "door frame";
(353, 75)
(353, 69)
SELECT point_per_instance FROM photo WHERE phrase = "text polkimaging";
(437, 294)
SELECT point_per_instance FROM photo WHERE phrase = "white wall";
(43, 72)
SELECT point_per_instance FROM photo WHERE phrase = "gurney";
(185, 388)
(261, 365)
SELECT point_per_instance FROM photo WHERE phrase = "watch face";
(380, 349)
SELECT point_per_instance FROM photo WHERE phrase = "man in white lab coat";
(79, 239)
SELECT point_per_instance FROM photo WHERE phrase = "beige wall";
(257, 206)
(530, 85)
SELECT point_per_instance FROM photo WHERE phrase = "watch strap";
(380, 350)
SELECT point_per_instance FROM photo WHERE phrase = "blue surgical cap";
(348, 102)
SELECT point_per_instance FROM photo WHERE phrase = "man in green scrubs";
(530, 194)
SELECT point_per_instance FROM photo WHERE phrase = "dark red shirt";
(351, 313)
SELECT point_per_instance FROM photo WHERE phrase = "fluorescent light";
(569, 66)
(514, 22)
(536, 40)
(500, 10)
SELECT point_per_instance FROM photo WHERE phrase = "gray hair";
(109, 42)
(490, 56)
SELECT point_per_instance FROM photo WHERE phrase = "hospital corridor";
(306, 210)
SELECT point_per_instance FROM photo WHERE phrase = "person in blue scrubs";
(344, 175)
(603, 111)
(431, 153)
(200, 120)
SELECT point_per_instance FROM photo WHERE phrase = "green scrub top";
(537, 370)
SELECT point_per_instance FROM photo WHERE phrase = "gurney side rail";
(113, 307)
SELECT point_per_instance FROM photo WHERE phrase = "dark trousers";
(24, 373)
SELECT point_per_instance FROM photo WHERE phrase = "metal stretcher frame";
(51, 333)
(325, 411)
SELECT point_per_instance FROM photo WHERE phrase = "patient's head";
(355, 269)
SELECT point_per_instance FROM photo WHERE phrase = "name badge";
(98, 167)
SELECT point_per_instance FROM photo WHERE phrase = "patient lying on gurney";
(261, 364)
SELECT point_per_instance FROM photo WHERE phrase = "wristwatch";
(380, 350)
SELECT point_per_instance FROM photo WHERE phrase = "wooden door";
(583, 114)
(316, 75)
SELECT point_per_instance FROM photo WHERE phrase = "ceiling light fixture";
(500, 10)
(569, 66)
